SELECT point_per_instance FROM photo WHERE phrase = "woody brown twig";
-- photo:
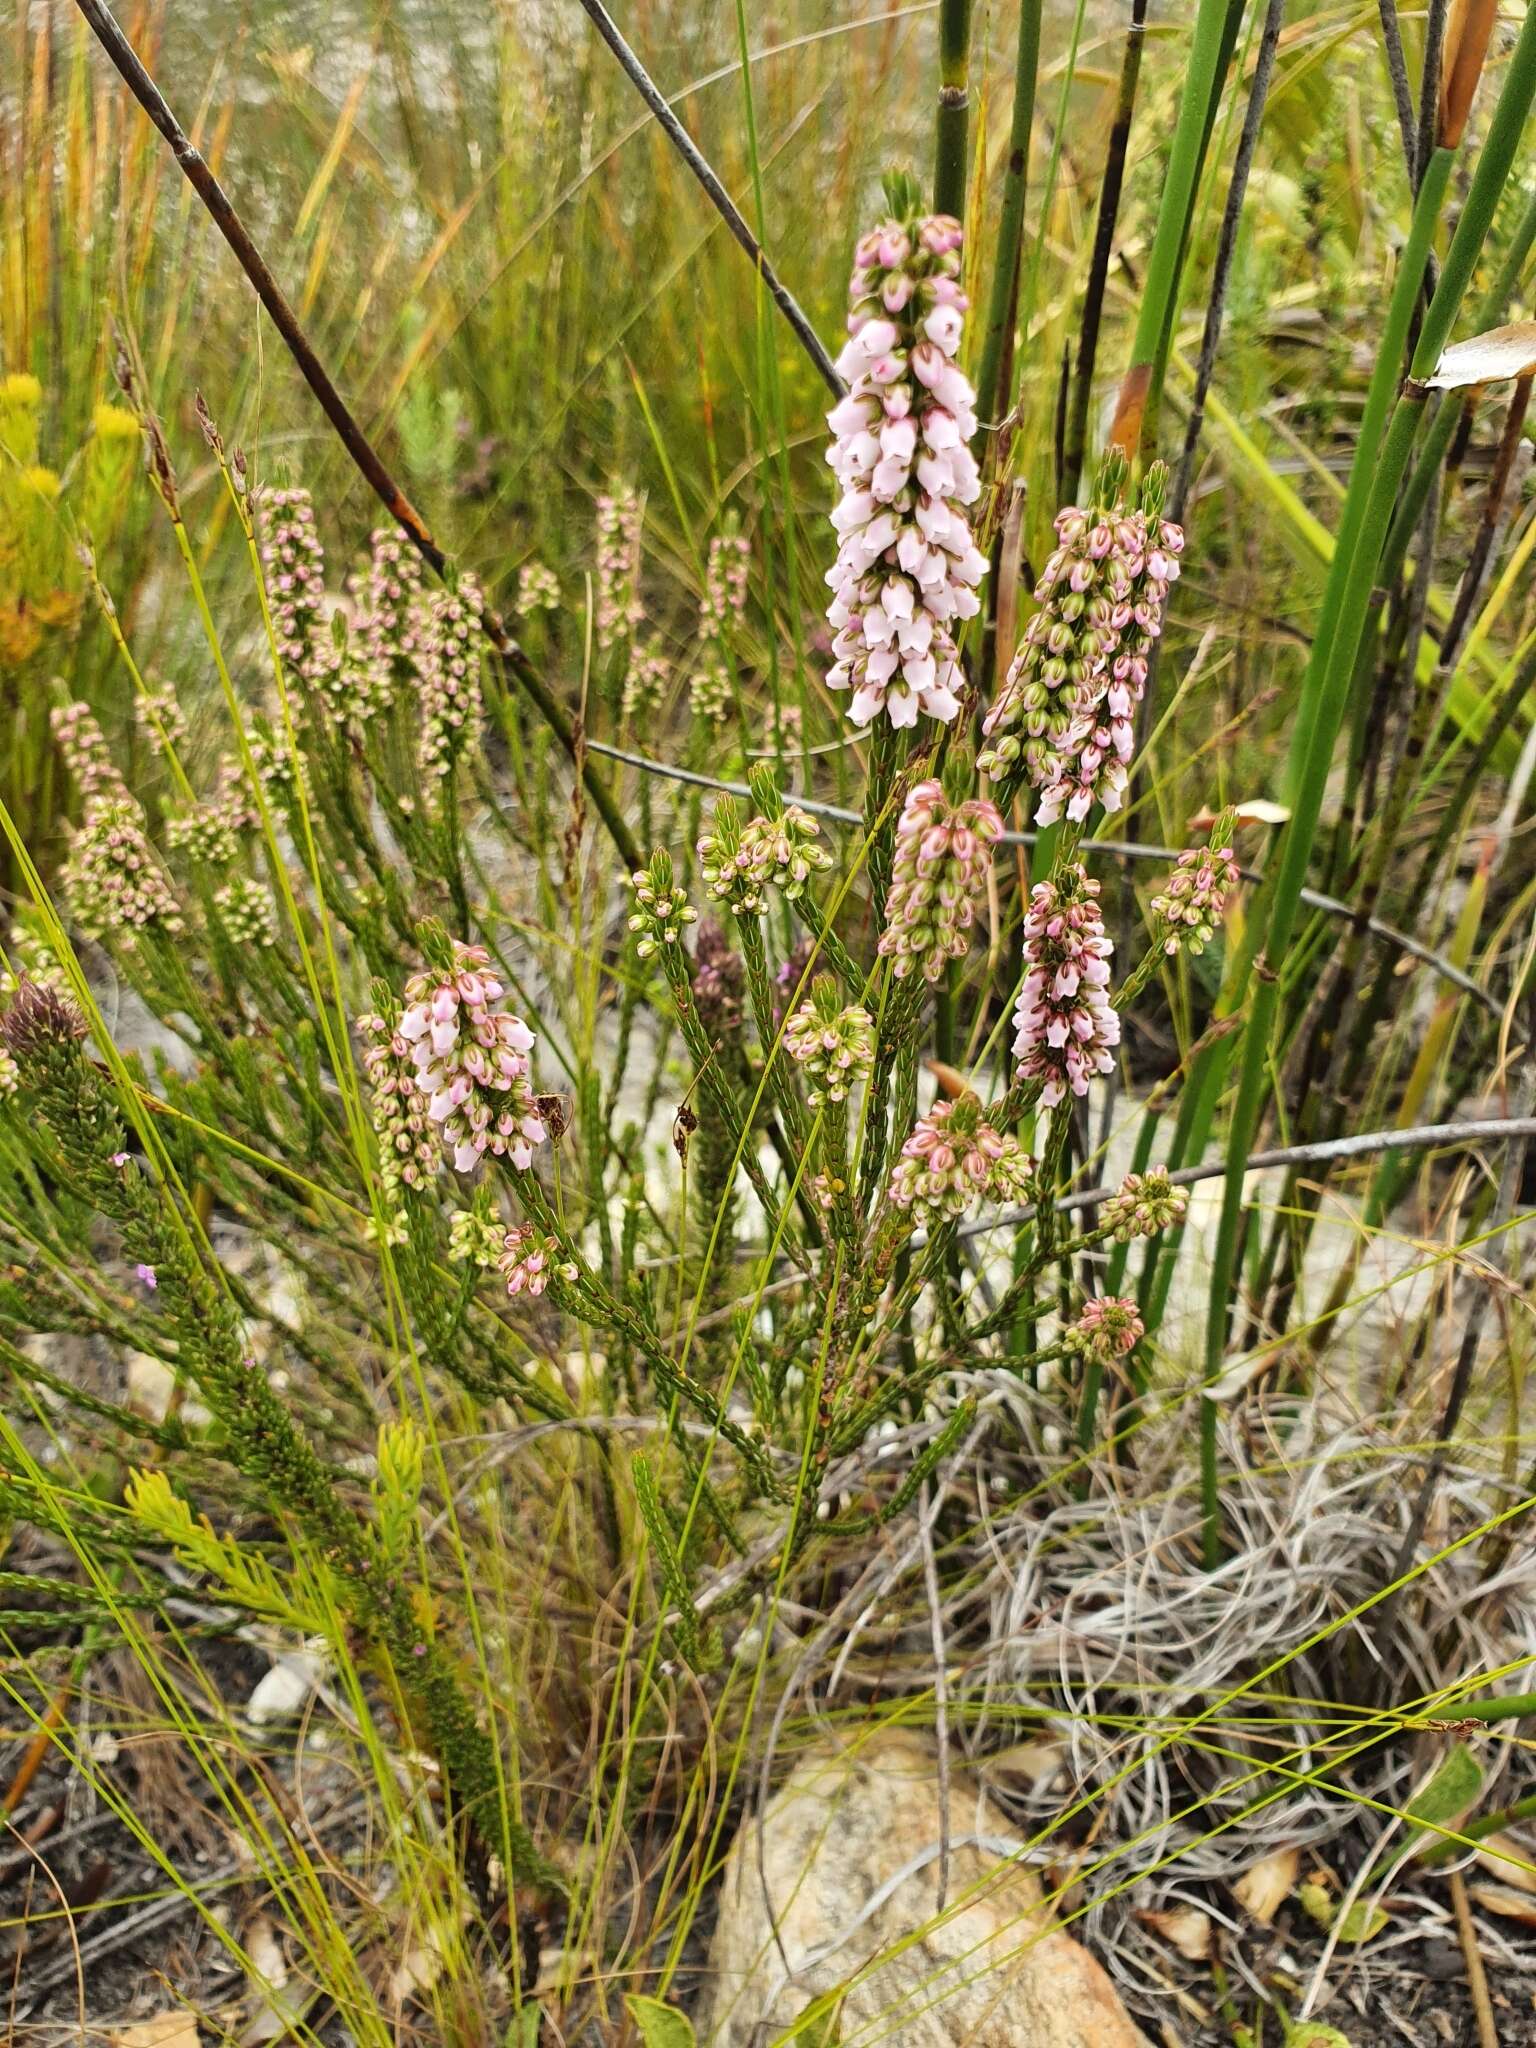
(513, 662)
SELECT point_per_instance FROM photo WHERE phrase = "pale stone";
(851, 1852)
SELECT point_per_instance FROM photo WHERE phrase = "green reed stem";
(1103, 246)
(1008, 257)
(1180, 179)
(953, 120)
(1373, 487)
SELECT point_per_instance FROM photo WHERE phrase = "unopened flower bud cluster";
(938, 875)
(834, 1047)
(1142, 1205)
(954, 1159)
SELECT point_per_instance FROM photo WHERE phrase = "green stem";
(1180, 178)
(1103, 245)
(953, 121)
(1374, 482)
(1009, 254)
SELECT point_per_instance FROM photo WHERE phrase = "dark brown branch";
(719, 198)
(514, 663)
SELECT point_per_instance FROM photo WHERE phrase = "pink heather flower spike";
(954, 1159)
(1065, 714)
(450, 702)
(86, 755)
(938, 874)
(720, 611)
(1109, 1327)
(1064, 1025)
(146, 1274)
(538, 589)
(1194, 898)
(409, 1153)
(112, 881)
(907, 567)
(294, 562)
(470, 1057)
(620, 524)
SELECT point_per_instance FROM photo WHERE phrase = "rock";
(850, 1848)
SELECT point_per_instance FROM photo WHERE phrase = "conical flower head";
(1064, 1024)
(470, 1059)
(834, 1045)
(938, 876)
(907, 567)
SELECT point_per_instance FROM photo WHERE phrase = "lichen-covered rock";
(851, 1856)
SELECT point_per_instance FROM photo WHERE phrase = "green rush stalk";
(1375, 477)
(1103, 244)
(952, 122)
(1009, 254)
(1208, 42)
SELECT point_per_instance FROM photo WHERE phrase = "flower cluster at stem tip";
(1065, 714)
(834, 1044)
(740, 863)
(1142, 1205)
(955, 1158)
(1108, 1328)
(470, 1056)
(662, 911)
(938, 875)
(907, 568)
(1194, 898)
(1064, 1024)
